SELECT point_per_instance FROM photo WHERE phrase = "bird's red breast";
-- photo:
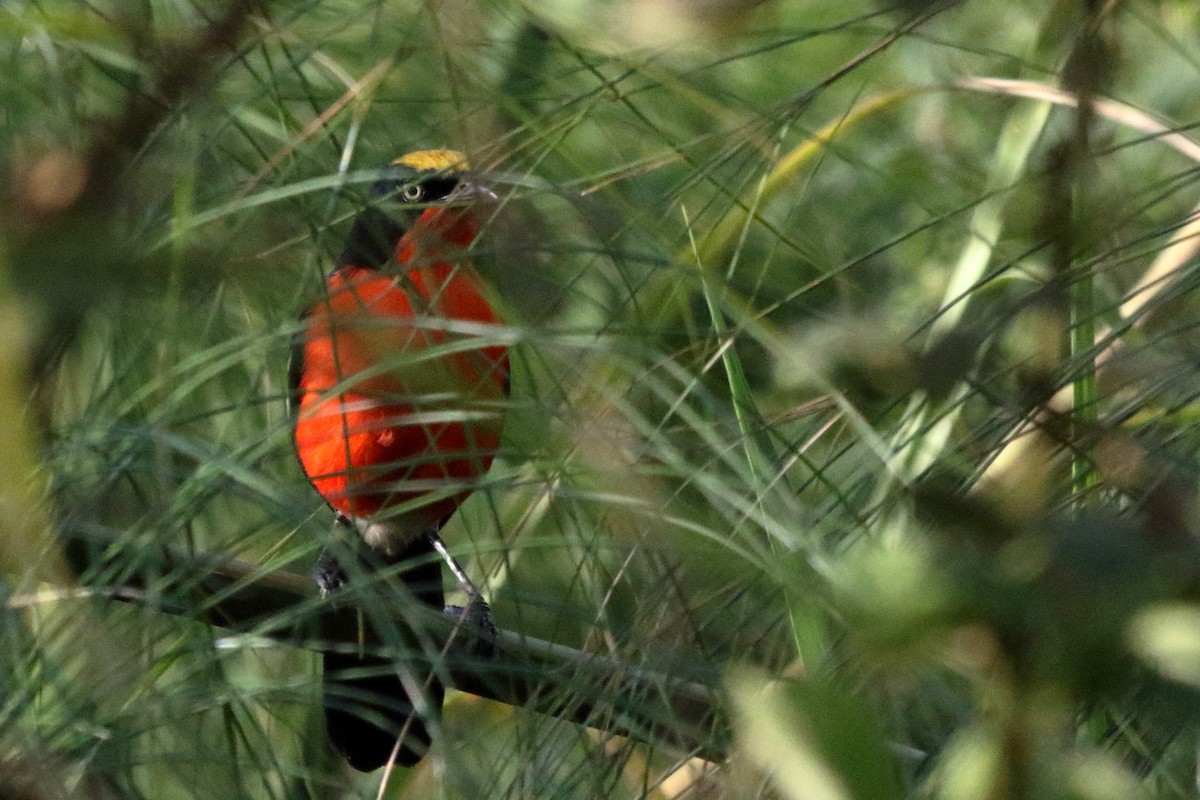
(400, 399)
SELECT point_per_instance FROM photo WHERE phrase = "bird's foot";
(477, 621)
(329, 573)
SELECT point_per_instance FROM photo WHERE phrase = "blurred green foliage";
(839, 371)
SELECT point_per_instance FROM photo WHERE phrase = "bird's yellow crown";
(434, 161)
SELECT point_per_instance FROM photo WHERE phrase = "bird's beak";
(473, 190)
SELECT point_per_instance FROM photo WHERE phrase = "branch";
(656, 707)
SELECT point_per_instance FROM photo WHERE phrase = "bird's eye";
(413, 193)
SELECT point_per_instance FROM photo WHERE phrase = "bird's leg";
(460, 574)
(476, 613)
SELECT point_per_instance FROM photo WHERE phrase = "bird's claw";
(478, 624)
(329, 574)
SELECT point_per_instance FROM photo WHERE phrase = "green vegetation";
(856, 366)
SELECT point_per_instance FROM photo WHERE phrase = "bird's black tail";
(367, 708)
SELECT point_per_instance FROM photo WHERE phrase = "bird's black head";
(403, 190)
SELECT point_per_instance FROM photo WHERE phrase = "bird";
(397, 381)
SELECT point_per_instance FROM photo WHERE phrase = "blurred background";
(855, 376)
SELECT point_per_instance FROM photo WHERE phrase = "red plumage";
(394, 401)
